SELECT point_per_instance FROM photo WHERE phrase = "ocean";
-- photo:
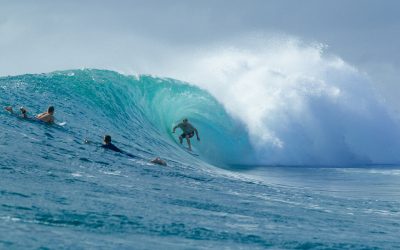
(57, 192)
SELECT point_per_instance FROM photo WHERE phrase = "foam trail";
(300, 105)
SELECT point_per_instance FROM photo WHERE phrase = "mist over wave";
(283, 102)
(299, 104)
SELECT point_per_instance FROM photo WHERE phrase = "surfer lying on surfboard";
(47, 116)
(107, 144)
(188, 132)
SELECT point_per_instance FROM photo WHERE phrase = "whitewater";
(58, 192)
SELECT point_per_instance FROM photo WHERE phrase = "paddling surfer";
(47, 116)
(107, 144)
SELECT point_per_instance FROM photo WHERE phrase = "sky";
(143, 36)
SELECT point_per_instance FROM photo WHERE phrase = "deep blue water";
(58, 192)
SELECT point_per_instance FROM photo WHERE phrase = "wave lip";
(331, 117)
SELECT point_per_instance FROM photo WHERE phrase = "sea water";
(58, 192)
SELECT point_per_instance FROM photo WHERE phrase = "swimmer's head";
(50, 110)
(107, 139)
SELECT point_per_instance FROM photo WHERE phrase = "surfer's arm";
(89, 142)
(173, 130)
(197, 134)
(49, 119)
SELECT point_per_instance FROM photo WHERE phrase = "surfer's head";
(185, 120)
(107, 139)
(50, 110)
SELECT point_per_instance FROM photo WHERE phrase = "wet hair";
(185, 119)
(107, 138)
(50, 109)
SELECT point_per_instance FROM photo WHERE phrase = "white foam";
(299, 104)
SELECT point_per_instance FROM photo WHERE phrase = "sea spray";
(321, 112)
(299, 104)
(55, 190)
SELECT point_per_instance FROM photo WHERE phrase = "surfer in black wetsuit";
(188, 132)
(108, 145)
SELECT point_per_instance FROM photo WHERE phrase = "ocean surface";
(57, 192)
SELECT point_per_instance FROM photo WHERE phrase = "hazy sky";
(137, 36)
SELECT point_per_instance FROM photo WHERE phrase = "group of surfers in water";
(48, 117)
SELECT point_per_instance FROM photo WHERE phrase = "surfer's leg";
(9, 109)
(180, 139)
(188, 142)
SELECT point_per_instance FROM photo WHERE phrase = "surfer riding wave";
(188, 132)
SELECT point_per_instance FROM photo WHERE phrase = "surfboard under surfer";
(188, 132)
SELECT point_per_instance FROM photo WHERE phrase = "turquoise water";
(57, 192)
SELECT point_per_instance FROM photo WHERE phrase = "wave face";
(137, 111)
(52, 184)
(303, 120)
